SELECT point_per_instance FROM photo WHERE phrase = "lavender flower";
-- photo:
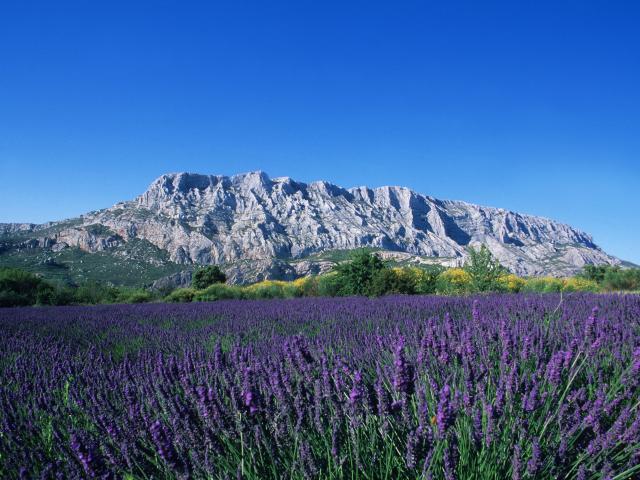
(403, 377)
(533, 465)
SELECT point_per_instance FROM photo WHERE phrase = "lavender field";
(488, 387)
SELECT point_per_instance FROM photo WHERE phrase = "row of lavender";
(397, 387)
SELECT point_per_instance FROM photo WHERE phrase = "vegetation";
(613, 277)
(21, 288)
(135, 264)
(484, 271)
(365, 274)
(206, 276)
(357, 277)
(484, 387)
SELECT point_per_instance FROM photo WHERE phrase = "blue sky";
(530, 106)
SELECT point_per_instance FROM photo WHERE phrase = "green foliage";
(217, 291)
(622, 279)
(134, 264)
(484, 270)
(20, 288)
(272, 289)
(579, 284)
(181, 295)
(137, 295)
(543, 285)
(92, 293)
(454, 281)
(307, 286)
(365, 274)
(49, 294)
(394, 280)
(292, 291)
(206, 276)
(99, 229)
(356, 277)
(595, 272)
(612, 277)
(329, 285)
(427, 281)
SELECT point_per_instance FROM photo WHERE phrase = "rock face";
(258, 227)
(171, 282)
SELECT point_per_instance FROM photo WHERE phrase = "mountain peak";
(250, 219)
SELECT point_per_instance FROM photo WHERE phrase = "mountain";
(259, 227)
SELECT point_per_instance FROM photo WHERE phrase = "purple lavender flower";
(249, 395)
(403, 373)
(533, 465)
(356, 390)
(516, 464)
(554, 368)
(635, 369)
(84, 455)
(164, 446)
(444, 415)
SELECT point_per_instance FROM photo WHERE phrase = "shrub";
(329, 285)
(218, 291)
(20, 288)
(10, 298)
(63, 295)
(427, 278)
(181, 295)
(394, 280)
(612, 277)
(543, 285)
(134, 296)
(595, 272)
(616, 278)
(290, 290)
(307, 285)
(45, 294)
(511, 283)
(453, 281)
(209, 275)
(266, 289)
(91, 293)
(578, 284)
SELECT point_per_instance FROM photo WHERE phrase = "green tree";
(206, 276)
(329, 285)
(427, 282)
(484, 270)
(394, 280)
(20, 288)
(356, 277)
(92, 293)
(627, 279)
(595, 272)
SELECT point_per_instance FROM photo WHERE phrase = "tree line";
(364, 274)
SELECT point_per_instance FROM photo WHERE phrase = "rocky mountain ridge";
(259, 227)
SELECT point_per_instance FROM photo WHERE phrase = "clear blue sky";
(530, 106)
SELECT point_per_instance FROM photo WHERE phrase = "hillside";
(258, 227)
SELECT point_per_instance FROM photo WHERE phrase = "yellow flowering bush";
(577, 284)
(511, 283)
(543, 284)
(454, 280)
